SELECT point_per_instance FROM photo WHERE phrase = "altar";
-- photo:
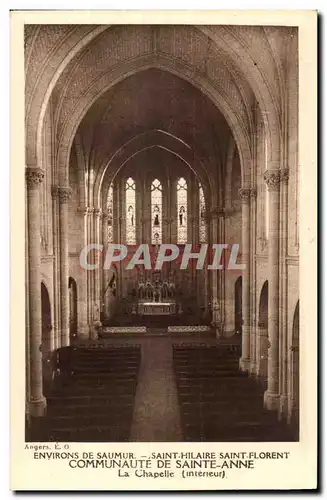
(156, 308)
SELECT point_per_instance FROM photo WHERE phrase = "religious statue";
(130, 215)
(182, 216)
(156, 239)
(156, 216)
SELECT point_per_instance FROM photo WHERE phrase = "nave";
(157, 388)
(162, 135)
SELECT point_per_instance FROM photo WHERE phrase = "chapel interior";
(161, 135)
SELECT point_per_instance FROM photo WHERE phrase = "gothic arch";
(263, 305)
(295, 368)
(46, 336)
(39, 87)
(108, 80)
(262, 343)
(227, 41)
(147, 140)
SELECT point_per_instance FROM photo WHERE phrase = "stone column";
(221, 274)
(104, 272)
(37, 402)
(253, 322)
(214, 275)
(294, 406)
(83, 329)
(271, 399)
(262, 345)
(284, 295)
(56, 267)
(88, 213)
(64, 193)
(173, 212)
(245, 199)
(98, 259)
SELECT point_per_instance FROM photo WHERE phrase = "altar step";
(172, 331)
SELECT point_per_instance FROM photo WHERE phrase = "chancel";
(162, 135)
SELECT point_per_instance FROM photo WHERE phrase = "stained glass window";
(202, 215)
(130, 212)
(110, 206)
(181, 211)
(156, 212)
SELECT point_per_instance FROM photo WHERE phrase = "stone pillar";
(88, 274)
(64, 193)
(207, 293)
(221, 274)
(253, 298)
(56, 267)
(262, 345)
(283, 355)
(37, 402)
(146, 219)
(271, 399)
(83, 329)
(294, 403)
(104, 272)
(98, 261)
(245, 199)
(173, 212)
(215, 308)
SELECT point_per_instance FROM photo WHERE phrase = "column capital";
(64, 193)
(244, 194)
(54, 191)
(221, 212)
(97, 212)
(34, 177)
(82, 210)
(253, 192)
(105, 216)
(284, 175)
(272, 179)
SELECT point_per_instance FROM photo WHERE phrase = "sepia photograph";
(162, 241)
(153, 136)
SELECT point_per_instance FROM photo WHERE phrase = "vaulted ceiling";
(153, 100)
(111, 83)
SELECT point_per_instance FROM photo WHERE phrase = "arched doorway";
(72, 309)
(238, 305)
(295, 373)
(262, 335)
(46, 338)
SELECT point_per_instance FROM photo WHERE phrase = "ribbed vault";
(87, 60)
